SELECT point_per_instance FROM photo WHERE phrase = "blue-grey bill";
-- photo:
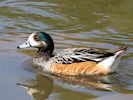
(24, 45)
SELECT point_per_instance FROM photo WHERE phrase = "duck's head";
(40, 40)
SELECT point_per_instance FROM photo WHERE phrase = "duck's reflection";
(41, 89)
(99, 82)
(44, 83)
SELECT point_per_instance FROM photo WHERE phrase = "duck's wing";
(69, 56)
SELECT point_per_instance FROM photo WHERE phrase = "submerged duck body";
(72, 61)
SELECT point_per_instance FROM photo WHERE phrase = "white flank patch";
(112, 62)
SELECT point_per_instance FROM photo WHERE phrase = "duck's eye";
(36, 38)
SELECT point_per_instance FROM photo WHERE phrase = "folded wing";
(69, 56)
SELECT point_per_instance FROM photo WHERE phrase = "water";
(102, 24)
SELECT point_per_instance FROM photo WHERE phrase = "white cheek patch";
(32, 42)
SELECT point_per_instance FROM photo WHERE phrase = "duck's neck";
(42, 56)
(44, 52)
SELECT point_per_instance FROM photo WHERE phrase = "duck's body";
(79, 61)
(73, 61)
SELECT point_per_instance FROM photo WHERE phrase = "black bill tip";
(18, 47)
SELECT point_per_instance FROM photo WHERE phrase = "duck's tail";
(123, 48)
(112, 62)
(119, 51)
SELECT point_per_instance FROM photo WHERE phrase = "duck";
(72, 61)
